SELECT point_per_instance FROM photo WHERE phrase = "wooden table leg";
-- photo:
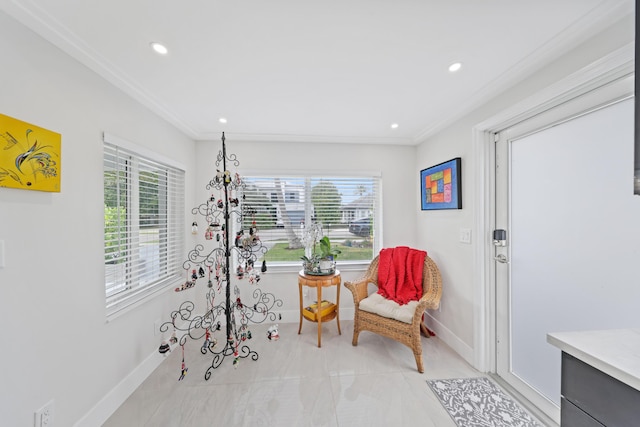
(319, 288)
(338, 308)
(300, 292)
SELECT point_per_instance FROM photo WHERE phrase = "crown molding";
(324, 139)
(33, 17)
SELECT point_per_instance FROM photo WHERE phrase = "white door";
(565, 198)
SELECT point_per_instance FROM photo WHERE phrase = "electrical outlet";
(44, 415)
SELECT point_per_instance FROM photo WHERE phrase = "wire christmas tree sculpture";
(225, 211)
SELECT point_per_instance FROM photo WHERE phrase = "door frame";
(613, 66)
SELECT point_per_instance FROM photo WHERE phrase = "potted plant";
(311, 264)
(327, 256)
(319, 254)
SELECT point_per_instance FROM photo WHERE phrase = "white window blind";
(143, 225)
(347, 208)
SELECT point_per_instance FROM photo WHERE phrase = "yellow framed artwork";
(29, 156)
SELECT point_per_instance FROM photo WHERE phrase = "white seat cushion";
(377, 304)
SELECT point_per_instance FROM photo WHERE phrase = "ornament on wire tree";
(207, 342)
(184, 368)
(272, 333)
(254, 277)
(186, 285)
(164, 348)
(210, 282)
(236, 358)
(208, 234)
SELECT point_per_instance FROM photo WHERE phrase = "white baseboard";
(451, 339)
(116, 397)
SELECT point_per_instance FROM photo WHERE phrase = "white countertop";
(615, 352)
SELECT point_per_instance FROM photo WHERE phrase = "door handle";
(501, 258)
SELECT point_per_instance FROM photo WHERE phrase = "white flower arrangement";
(321, 261)
(310, 238)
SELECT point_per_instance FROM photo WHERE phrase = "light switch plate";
(465, 235)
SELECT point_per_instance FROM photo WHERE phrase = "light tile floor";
(295, 383)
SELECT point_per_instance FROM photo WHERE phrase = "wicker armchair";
(405, 333)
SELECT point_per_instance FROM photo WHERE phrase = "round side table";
(322, 311)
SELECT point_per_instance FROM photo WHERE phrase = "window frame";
(143, 165)
(343, 265)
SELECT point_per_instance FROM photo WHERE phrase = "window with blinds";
(346, 208)
(143, 224)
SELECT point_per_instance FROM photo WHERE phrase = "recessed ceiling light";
(222, 120)
(455, 67)
(159, 48)
(394, 126)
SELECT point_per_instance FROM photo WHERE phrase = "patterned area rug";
(478, 402)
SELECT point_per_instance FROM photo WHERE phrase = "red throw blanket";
(400, 274)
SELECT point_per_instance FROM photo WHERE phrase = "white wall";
(398, 188)
(439, 230)
(55, 341)
(58, 344)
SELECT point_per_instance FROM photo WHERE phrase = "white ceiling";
(329, 70)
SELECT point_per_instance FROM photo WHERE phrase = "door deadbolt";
(500, 237)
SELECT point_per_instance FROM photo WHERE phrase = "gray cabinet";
(591, 398)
